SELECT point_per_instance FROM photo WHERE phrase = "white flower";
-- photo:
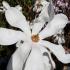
(33, 46)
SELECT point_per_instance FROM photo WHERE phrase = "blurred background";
(60, 6)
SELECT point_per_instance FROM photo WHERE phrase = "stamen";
(35, 38)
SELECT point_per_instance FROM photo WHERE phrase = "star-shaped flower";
(31, 52)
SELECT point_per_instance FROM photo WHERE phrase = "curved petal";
(47, 63)
(15, 18)
(42, 18)
(5, 5)
(57, 50)
(9, 37)
(35, 61)
(19, 8)
(58, 22)
(43, 15)
(37, 27)
(47, 59)
(19, 57)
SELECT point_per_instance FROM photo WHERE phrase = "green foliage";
(2, 20)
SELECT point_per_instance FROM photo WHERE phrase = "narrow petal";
(58, 22)
(15, 18)
(43, 16)
(5, 5)
(37, 27)
(34, 62)
(57, 50)
(19, 57)
(9, 37)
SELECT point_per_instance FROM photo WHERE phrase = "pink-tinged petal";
(57, 50)
(58, 23)
(19, 57)
(34, 61)
(37, 27)
(16, 19)
(9, 37)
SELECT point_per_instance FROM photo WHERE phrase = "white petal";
(19, 8)
(19, 57)
(47, 58)
(9, 37)
(15, 18)
(58, 22)
(57, 50)
(35, 61)
(5, 5)
(46, 61)
(37, 27)
(42, 18)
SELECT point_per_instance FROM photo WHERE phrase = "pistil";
(35, 38)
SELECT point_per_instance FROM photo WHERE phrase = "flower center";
(35, 38)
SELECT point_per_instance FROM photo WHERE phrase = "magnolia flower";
(30, 53)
